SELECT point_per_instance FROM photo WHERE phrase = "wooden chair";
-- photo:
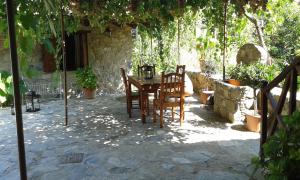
(180, 69)
(130, 96)
(171, 94)
(141, 69)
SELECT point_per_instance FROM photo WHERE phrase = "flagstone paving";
(101, 142)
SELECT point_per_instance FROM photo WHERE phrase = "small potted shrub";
(254, 75)
(235, 73)
(87, 80)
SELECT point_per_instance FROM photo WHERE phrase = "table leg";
(129, 100)
(143, 97)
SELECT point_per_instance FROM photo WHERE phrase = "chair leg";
(148, 109)
(161, 117)
(184, 108)
(173, 113)
(181, 114)
(129, 107)
(140, 102)
(154, 112)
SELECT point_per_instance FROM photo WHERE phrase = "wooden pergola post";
(225, 37)
(17, 95)
(63, 44)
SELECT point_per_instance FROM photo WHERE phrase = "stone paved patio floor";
(101, 142)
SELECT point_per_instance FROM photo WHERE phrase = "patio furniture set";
(167, 89)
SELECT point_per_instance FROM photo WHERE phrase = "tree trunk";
(259, 32)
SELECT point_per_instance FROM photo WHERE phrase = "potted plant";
(235, 73)
(87, 80)
(254, 75)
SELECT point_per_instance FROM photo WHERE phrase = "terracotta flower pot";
(89, 93)
(253, 122)
(234, 82)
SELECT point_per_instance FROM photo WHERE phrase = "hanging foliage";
(38, 21)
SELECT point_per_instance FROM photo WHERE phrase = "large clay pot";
(89, 93)
(253, 122)
(234, 82)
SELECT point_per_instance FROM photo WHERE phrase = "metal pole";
(17, 96)
(151, 48)
(225, 37)
(64, 62)
(178, 40)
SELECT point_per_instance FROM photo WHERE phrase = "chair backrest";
(124, 77)
(141, 69)
(180, 69)
(172, 85)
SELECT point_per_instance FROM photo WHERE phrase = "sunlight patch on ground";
(190, 134)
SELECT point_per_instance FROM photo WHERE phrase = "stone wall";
(35, 60)
(4, 56)
(201, 82)
(230, 101)
(107, 53)
(276, 94)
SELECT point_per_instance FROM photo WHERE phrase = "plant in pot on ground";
(87, 80)
(254, 75)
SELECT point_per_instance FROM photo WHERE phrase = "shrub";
(254, 74)
(282, 151)
(235, 72)
(6, 88)
(86, 78)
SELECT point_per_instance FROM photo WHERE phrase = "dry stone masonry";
(107, 53)
(250, 53)
(230, 101)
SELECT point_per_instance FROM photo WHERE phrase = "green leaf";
(3, 87)
(48, 44)
(52, 28)
(2, 99)
(28, 21)
(26, 44)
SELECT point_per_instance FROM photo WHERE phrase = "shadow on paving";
(101, 142)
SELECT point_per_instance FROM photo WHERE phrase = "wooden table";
(144, 86)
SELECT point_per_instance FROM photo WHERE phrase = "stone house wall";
(4, 56)
(109, 52)
(35, 60)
